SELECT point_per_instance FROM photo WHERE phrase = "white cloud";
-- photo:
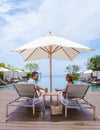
(11, 5)
(73, 20)
(4, 6)
(26, 20)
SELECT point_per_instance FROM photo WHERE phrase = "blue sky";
(22, 21)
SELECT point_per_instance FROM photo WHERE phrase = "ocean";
(58, 81)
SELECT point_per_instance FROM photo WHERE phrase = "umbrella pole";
(50, 77)
(50, 72)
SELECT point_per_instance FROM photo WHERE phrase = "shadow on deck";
(25, 114)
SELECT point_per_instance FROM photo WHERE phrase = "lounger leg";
(50, 100)
(58, 103)
(65, 111)
(43, 102)
(43, 107)
(42, 112)
(94, 113)
(6, 112)
(33, 109)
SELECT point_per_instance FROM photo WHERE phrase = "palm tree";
(94, 63)
(32, 67)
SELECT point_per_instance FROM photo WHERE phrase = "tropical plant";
(75, 76)
(32, 67)
(72, 69)
(94, 63)
(29, 75)
(1, 75)
(2, 64)
(9, 67)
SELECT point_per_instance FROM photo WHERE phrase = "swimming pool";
(58, 81)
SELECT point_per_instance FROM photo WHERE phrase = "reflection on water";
(58, 81)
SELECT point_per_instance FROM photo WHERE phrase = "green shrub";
(1, 75)
(75, 76)
(29, 75)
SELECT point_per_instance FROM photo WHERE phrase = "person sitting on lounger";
(69, 80)
(33, 81)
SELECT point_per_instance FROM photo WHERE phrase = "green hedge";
(75, 76)
(29, 75)
(1, 75)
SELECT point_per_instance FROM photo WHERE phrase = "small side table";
(51, 95)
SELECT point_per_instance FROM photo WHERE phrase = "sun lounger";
(75, 98)
(2, 82)
(28, 97)
(8, 79)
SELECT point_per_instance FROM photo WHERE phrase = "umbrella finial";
(50, 33)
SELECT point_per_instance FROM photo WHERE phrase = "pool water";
(58, 81)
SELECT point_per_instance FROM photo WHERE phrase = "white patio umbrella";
(51, 46)
(88, 71)
(3, 69)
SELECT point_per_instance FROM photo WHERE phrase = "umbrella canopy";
(3, 69)
(88, 71)
(51, 46)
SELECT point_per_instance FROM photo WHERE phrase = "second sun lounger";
(75, 98)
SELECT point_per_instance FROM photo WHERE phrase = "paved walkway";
(75, 121)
